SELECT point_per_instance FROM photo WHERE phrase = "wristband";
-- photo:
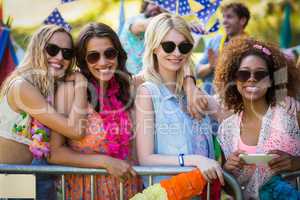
(190, 76)
(180, 159)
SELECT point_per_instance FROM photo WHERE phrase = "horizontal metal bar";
(290, 174)
(141, 170)
(56, 169)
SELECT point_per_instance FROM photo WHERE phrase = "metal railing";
(141, 170)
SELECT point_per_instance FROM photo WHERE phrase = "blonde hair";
(157, 29)
(34, 66)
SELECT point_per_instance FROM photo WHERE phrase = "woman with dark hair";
(252, 78)
(108, 138)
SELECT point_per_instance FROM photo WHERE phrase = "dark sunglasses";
(183, 47)
(244, 75)
(53, 50)
(94, 56)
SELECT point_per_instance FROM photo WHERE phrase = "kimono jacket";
(279, 131)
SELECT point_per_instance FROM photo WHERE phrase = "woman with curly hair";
(252, 77)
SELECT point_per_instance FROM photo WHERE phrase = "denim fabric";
(175, 131)
(45, 184)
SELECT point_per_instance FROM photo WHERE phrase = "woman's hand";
(120, 168)
(234, 162)
(210, 169)
(284, 162)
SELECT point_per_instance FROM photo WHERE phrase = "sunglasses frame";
(180, 47)
(53, 49)
(104, 53)
(256, 75)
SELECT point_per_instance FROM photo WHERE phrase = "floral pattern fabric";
(106, 187)
(279, 130)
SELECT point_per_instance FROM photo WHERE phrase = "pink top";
(244, 147)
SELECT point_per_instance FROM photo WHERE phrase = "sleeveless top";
(175, 131)
(14, 126)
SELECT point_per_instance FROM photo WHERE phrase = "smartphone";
(259, 158)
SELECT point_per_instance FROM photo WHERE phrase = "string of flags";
(184, 9)
(56, 18)
(180, 7)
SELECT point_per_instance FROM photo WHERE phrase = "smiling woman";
(166, 133)
(247, 79)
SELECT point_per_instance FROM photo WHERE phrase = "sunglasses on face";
(94, 56)
(53, 50)
(245, 75)
(183, 47)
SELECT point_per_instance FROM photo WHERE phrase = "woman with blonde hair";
(27, 97)
(166, 134)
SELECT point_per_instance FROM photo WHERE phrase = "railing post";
(63, 191)
(208, 192)
(150, 180)
(92, 187)
(121, 191)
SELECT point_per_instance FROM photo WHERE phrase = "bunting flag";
(66, 1)
(168, 5)
(8, 58)
(215, 27)
(285, 37)
(184, 7)
(56, 18)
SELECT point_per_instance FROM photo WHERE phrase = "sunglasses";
(94, 56)
(244, 75)
(183, 47)
(53, 50)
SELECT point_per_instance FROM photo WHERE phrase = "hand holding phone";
(259, 158)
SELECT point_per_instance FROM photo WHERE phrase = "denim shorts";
(45, 183)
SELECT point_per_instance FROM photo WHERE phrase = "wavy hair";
(283, 73)
(34, 66)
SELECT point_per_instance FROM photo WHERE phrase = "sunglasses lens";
(68, 54)
(93, 57)
(185, 47)
(52, 49)
(259, 75)
(168, 47)
(110, 53)
(243, 75)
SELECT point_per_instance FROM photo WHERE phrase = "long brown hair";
(102, 30)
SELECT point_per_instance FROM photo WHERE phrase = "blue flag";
(66, 1)
(215, 27)
(56, 18)
(169, 5)
(184, 7)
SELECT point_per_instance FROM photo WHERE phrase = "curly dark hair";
(239, 9)
(283, 73)
(102, 30)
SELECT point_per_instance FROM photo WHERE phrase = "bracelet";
(180, 159)
(190, 76)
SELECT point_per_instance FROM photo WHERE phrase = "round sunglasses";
(183, 47)
(245, 75)
(93, 56)
(53, 50)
